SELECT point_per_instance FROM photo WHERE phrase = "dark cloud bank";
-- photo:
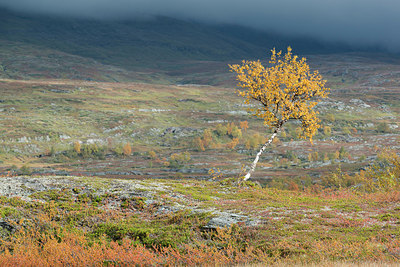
(356, 22)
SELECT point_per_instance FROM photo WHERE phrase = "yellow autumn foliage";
(287, 89)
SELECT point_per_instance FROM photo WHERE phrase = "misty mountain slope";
(147, 43)
(22, 61)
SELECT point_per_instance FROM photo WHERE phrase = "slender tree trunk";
(253, 165)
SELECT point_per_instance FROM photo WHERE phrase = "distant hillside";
(138, 43)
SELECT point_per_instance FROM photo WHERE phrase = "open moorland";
(108, 161)
(99, 170)
(78, 221)
(44, 119)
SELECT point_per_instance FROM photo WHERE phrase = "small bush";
(327, 131)
(244, 125)
(221, 130)
(118, 150)
(25, 170)
(383, 128)
(199, 144)
(204, 142)
(92, 151)
(290, 155)
(127, 149)
(152, 154)
(207, 138)
(314, 156)
(177, 160)
(236, 132)
(117, 232)
(330, 118)
(343, 153)
(233, 143)
(77, 147)
(384, 174)
(254, 141)
(346, 130)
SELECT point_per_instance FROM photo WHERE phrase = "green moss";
(196, 190)
(13, 201)
(117, 232)
(8, 212)
(166, 231)
(301, 226)
(138, 203)
(53, 195)
(347, 207)
(388, 217)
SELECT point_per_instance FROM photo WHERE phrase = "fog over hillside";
(138, 43)
(356, 22)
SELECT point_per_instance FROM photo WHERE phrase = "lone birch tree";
(285, 90)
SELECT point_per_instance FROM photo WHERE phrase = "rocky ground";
(30, 189)
(219, 221)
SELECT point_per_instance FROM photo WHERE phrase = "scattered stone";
(64, 137)
(179, 131)
(189, 170)
(345, 138)
(154, 110)
(117, 128)
(23, 139)
(118, 173)
(60, 91)
(225, 219)
(359, 103)
(237, 112)
(95, 141)
(189, 100)
(24, 187)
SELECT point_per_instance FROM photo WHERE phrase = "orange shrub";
(207, 138)
(244, 125)
(233, 143)
(199, 144)
(127, 149)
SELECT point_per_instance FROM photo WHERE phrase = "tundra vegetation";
(137, 190)
(97, 221)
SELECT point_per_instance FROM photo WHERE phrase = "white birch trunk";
(253, 165)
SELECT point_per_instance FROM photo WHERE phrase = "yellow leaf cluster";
(286, 89)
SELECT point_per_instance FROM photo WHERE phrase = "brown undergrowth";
(75, 227)
(73, 249)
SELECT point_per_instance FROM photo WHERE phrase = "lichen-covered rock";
(225, 220)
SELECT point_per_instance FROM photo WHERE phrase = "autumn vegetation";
(344, 217)
(329, 203)
(305, 224)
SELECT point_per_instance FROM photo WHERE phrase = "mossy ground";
(324, 218)
(293, 227)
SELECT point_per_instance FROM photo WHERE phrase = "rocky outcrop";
(27, 187)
